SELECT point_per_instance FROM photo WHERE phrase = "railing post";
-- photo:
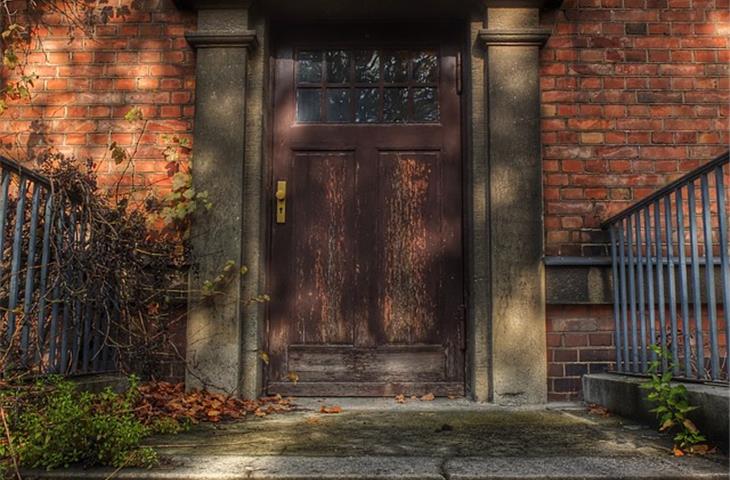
(660, 281)
(724, 260)
(683, 296)
(710, 278)
(616, 300)
(695, 263)
(650, 259)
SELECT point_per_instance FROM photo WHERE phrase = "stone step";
(231, 467)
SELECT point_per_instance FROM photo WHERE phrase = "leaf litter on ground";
(165, 399)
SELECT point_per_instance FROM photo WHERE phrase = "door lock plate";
(280, 201)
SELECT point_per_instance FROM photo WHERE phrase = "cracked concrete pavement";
(455, 440)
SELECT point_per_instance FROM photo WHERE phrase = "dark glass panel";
(338, 66)
(395, 105)
(425, 105)
(308, 105)
(367, 66)
(368, 105)
(395, 67)
(309, 66)
(338, 105)
(425, 67)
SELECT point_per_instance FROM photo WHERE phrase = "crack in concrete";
(442, 468)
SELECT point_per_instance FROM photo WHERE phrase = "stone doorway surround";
(506, 354)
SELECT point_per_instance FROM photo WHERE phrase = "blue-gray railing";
(47, 325)
(671, 276)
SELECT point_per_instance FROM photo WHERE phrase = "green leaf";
(181, 180)
(134, 114)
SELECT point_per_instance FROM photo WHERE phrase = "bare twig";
(13, 455)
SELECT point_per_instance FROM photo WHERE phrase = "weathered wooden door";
(366, 258)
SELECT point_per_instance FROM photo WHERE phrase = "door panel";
(366, 270)
(408, 227)
(324, 236)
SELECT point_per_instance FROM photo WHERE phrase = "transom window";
(367, 86)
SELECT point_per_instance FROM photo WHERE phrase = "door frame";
(460, 29)
(504, 208)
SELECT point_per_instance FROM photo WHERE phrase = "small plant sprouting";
(672, 403)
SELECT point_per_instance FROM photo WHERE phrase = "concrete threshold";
(383, 440)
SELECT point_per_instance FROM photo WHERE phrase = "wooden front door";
(366, 258)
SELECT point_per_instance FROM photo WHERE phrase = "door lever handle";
(280, 201)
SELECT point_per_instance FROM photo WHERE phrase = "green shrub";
(53, 424)
(672, 402)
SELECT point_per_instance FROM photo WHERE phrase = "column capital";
(207, 39)
(522, 36)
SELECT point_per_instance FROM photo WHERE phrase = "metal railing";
(671, 276)
(45, 326)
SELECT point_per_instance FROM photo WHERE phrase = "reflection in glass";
(367, 66)
(368, 103)
(338, 105)
(395, 67)
(308, 105)
(309, 66)
(425, 105)
(425, 67)
(395, 105)
(338, 66)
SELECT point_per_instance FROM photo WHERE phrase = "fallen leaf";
(313, 420)
(400, 398)
(702, 449)
(594, 409)
(666, 425)
(293, 377)
(689, 425)
(429, 397)
(332, 409)
(677, 451)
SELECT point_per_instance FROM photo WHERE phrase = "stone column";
(518, 359)
(216, 327)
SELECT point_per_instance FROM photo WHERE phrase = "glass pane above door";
(340, 85)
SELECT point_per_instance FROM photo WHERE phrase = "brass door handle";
(280, 201)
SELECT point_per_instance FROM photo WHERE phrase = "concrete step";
(419, 440)
(415, 468)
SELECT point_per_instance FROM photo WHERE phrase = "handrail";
(11, 165)
(48, 326)
(663, 291)
(669, 188)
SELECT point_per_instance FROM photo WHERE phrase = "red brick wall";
(579, 341)
(634, 92)
(87, 84)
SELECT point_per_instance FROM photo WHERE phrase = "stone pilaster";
(518, 361)
(216, 326)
